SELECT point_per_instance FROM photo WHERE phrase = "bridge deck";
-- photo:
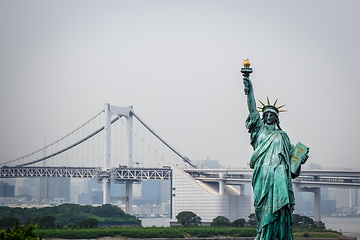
(115, 174)
(308, 178)
(231, 177)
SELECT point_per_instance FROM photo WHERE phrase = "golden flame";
(246, 63)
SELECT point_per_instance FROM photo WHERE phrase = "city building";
(7, 190)
(51, 188)
(84, 199)
(207, 163)
(97, 197)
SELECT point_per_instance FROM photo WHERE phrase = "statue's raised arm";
(248, 89)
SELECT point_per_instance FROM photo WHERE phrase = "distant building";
(343, 199)
(7, 190)
(151, 191)
(117, 190)
(51, 188)
(304, 203)
(314, 166)
(207, 163)
(33, 185)
(97, 197)
(92, 185)
(154, 192)
(60, 188)
(84, 199)
(205, 200)
(328, 207)
(44, 189)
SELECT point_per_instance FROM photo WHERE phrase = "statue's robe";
(273, 191)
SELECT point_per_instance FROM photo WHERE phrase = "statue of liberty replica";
(275, 162)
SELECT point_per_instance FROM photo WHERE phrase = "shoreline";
(211, 238)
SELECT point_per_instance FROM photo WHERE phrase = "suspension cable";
(68, 148)
(185, 159)
(51, 143)
(141, 138)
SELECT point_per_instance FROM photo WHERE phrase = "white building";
(205, 200)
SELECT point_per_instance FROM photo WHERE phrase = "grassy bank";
(173, 232)
(315, 233)
(146, 232)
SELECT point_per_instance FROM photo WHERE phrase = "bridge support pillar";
(107, 128)
(221, 184)
(129, 197)
(317, 202)
(106, 191)
(242, 189)
(296, 189)
(221, 187)
(130, 139)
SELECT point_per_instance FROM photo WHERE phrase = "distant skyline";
(177, 63)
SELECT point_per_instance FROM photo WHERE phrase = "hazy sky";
(177, 63)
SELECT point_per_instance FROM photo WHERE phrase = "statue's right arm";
(249, 91)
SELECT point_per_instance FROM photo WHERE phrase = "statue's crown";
(270, 108)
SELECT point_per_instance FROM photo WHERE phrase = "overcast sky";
(177, 63)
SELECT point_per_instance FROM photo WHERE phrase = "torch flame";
(246, 63)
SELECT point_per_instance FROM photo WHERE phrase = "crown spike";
(268, 100)
(282, 110)
(275, 102)
(261, 103)
(281, 106)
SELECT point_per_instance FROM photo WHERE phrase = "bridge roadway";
(113, 174)
(307, 178)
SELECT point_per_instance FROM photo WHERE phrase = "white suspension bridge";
(112, 141)
(65, 157)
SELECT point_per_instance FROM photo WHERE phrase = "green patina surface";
(272, 178)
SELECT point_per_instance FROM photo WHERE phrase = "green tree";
(108, 210)
(88, 223)
(69, 213)
(303, 221)
(188, 219)
(252, 222)
(19, 233)
(72, 226)
(44, 221)
(70, 217)
(239, 222)
(8, 222)
(220, 221)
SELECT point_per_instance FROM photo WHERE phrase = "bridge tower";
(119, 112)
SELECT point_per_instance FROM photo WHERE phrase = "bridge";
(308, 181)
(64, 159)
(114, 175)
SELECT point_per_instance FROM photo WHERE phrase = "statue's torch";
(246, 70)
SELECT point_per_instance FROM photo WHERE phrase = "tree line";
(190, 219)
(66, 215)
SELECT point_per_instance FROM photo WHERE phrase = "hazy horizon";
(177, 63)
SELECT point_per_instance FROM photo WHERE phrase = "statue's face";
(270, 118)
